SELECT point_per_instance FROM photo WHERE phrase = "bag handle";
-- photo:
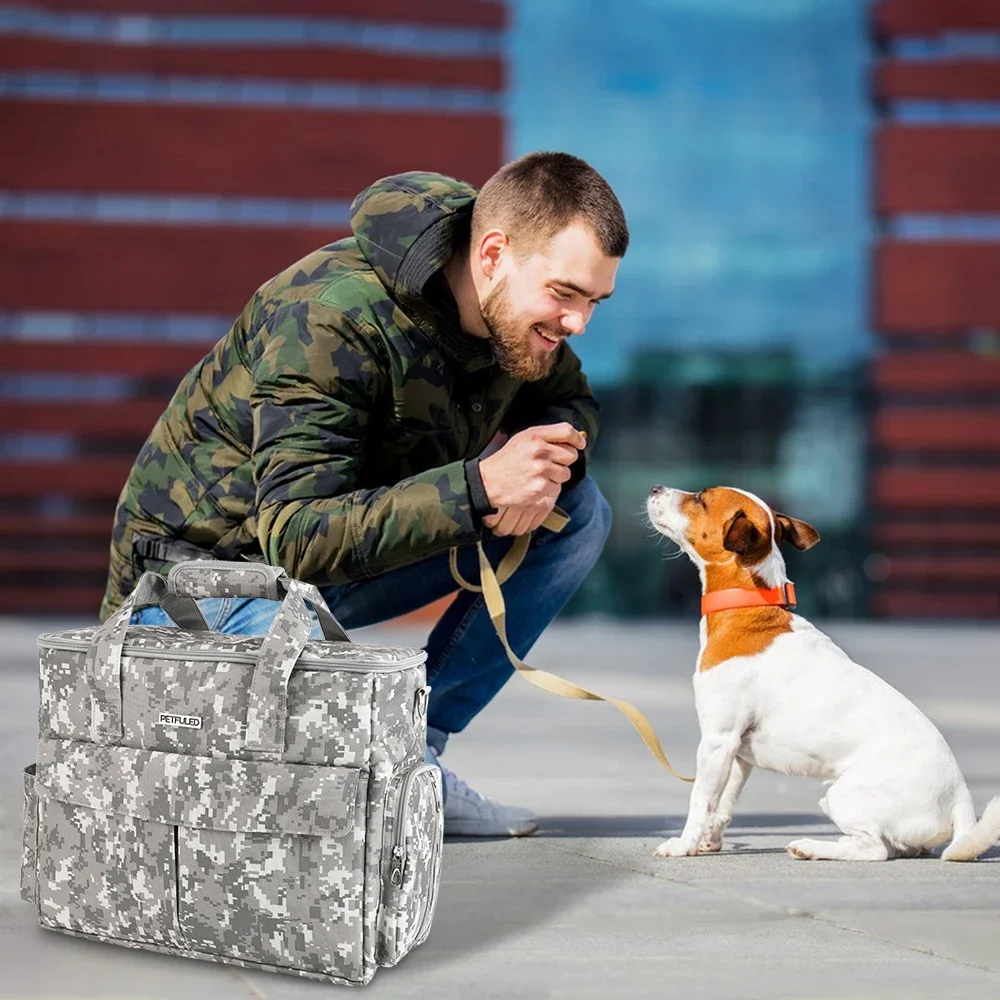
(200, 578)
(279, 651)
(183, 611)
(102, 667)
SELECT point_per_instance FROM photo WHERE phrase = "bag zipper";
(395, 867)
(316, 662)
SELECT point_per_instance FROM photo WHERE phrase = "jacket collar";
(407, 226)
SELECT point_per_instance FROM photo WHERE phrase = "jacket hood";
(405, 226)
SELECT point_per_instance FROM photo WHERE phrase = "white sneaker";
(469, 814)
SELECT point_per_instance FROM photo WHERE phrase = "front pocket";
(289, 900)
(105, 874)
(258, 860)
(411, 861)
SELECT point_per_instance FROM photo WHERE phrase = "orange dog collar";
(740, 597)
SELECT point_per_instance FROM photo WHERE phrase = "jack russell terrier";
(772, 691)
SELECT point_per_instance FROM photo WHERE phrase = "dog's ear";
(798, 534)
(743, 536)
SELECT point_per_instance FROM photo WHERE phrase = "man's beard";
(511, 343)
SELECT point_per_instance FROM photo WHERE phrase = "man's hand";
(515, 520)
(523, 478)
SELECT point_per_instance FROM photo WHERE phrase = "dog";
(772, 691)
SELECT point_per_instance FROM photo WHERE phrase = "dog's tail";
(969, 845)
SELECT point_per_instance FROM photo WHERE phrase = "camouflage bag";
(256, 800)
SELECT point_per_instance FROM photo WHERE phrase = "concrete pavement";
(582, 909)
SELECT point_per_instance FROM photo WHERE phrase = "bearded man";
(393, 395)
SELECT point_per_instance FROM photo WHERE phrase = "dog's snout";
(658, 488)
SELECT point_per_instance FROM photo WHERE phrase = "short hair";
(538, 195)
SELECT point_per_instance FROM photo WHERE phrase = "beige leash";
(556, 521)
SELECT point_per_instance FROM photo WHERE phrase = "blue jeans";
(466, 663)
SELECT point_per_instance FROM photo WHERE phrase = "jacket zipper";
(317, 662)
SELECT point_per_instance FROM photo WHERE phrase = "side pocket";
(411, 861)
(29, 839)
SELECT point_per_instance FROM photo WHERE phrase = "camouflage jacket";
(335, 429)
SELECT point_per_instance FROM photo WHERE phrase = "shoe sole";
(458, 829)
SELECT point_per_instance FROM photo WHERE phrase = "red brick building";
(162, 159)
(935, 477)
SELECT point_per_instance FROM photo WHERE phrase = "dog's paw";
(800, 849)
(674, 848)
(711, 843)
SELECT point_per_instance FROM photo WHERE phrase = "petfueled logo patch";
(187, 721)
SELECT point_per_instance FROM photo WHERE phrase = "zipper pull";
(396, 876)
(420, 703)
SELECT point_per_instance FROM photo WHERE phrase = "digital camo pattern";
(422, 879)
(379, 780)
(203, 578)
(332, 629)
(208, 645)
(210, 578)
(296, 901)
(399, 728)
(399, 709)
(183, 611)
(103, 664)
(29, 839)
(177, 842)
(209, 792)
(329, 715)
(327, 432)
(103, 670)
(328, 719)
(279, 651)
(269, 864)
(412, 849)
(101, 873)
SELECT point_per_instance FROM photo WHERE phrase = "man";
(389, 396)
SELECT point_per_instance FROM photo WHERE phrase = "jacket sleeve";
(315, 388)
(563, 395)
